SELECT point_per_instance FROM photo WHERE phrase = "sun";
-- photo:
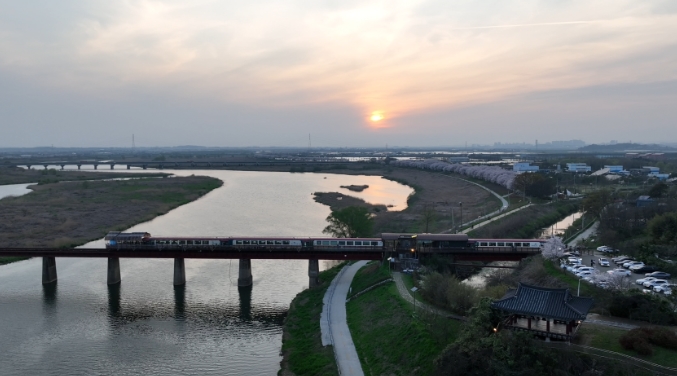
(376, 116)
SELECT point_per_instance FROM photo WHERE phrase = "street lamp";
(460, 225)
(414, 289)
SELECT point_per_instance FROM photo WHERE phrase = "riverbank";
(69, 214)
(302, 350)
(16, 175)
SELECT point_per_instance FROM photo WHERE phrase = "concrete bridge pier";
(245, 277)
(46, 165)
(114, 271)
(112, 166)
(28, 166)
(313, 273)
(129, 167)
(96, 166)
(62, 166)
(179, 272)
(48, 270)
(79, 166)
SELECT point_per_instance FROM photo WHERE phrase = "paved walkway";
(334, 312)
(494, 219)
(585, 234)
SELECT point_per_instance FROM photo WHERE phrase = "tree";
(663, 228)
(658, 190)
(535, 185)
(350, 222)
(595, 202)
(553, 248)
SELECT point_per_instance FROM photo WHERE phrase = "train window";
(518, 244)
(483, 244)
(332, 242)
(270, 242)
(500, 244)
(374, 243)
(492, 244)
(349, 242)
(358, 243)
(189, 242)
(245, 242)
(238, 242)
(278, 242)
(285, 242)
(341, 242)
(325, 242)
(182, 242)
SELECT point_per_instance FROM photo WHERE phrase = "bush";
(663, 337)
(641, 339)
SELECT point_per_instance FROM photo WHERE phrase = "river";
(14, 190)
(81, 326)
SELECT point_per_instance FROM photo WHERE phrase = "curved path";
(336, 325)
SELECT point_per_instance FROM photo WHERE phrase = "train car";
(507, 243)
(257, 242)
(346, 243)
(117, 239)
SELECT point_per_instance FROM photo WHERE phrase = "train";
(403, 242)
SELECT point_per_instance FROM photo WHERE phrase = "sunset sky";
(268, 73)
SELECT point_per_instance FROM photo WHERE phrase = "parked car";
(628, 264)
(662, 275)
(603, 261)
(619, 271)
(662, 288)
(602, 248)
(623, 260)
(645, 279)
(617, 258)
(644, 269)
(635, 267)
(574, 268)
(655, 282)
(585, 273)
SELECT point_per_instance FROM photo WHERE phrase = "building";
(524, 167)
(643, 201)
(651, 170)
(615, 169)
(578, 167)
(458, 159)
(548, 313)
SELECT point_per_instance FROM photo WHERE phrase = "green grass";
(607, 339)
(302, 341)
(388, 339)
(369, 275)
(568, 278)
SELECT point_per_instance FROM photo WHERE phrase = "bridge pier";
(112, 166)
(114, 271)
(48, 270)
(62, 166)
(45, 166)
(96, 166)
(179, 272)
(245, 277)
(79, 166)
(313, 273)
(128, 167)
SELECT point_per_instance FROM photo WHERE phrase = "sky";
(271, 73)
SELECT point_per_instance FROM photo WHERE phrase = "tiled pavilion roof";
(556, 304)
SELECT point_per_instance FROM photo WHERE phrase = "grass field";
(607, 338)
(301, 341)
(388, 339)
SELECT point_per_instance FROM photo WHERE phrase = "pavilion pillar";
(245, 277)
(114, 270)
(179, 272)
(48, 270)
(313, 273)
(547, 325)
(529, 323)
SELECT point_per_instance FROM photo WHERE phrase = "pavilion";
(548, 313)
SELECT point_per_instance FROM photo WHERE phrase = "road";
(335, 303)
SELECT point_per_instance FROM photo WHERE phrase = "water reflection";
(49, 297)
(245, 303)
(114, 300)
(180, 302)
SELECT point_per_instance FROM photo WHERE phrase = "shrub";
(637, 340)
(663, 337)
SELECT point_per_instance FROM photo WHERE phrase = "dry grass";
(72, 213)
(40, 176)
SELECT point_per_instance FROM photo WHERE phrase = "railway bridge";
(173, 164)
(389, 246)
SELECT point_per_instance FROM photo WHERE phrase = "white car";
(603, 262)
(603, 248)
(574, 268)
(662, 288)
(636, 266)
(654, 283)
(585, 274)
(619, 272)
(646, 279)
(628, 264)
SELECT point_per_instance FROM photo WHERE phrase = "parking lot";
(603, 269)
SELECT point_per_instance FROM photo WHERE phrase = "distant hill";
(626, 147)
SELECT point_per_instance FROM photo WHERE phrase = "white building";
(652, 170)
(578, 167)
(524, 167)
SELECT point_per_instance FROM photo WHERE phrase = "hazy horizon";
(209, 73)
